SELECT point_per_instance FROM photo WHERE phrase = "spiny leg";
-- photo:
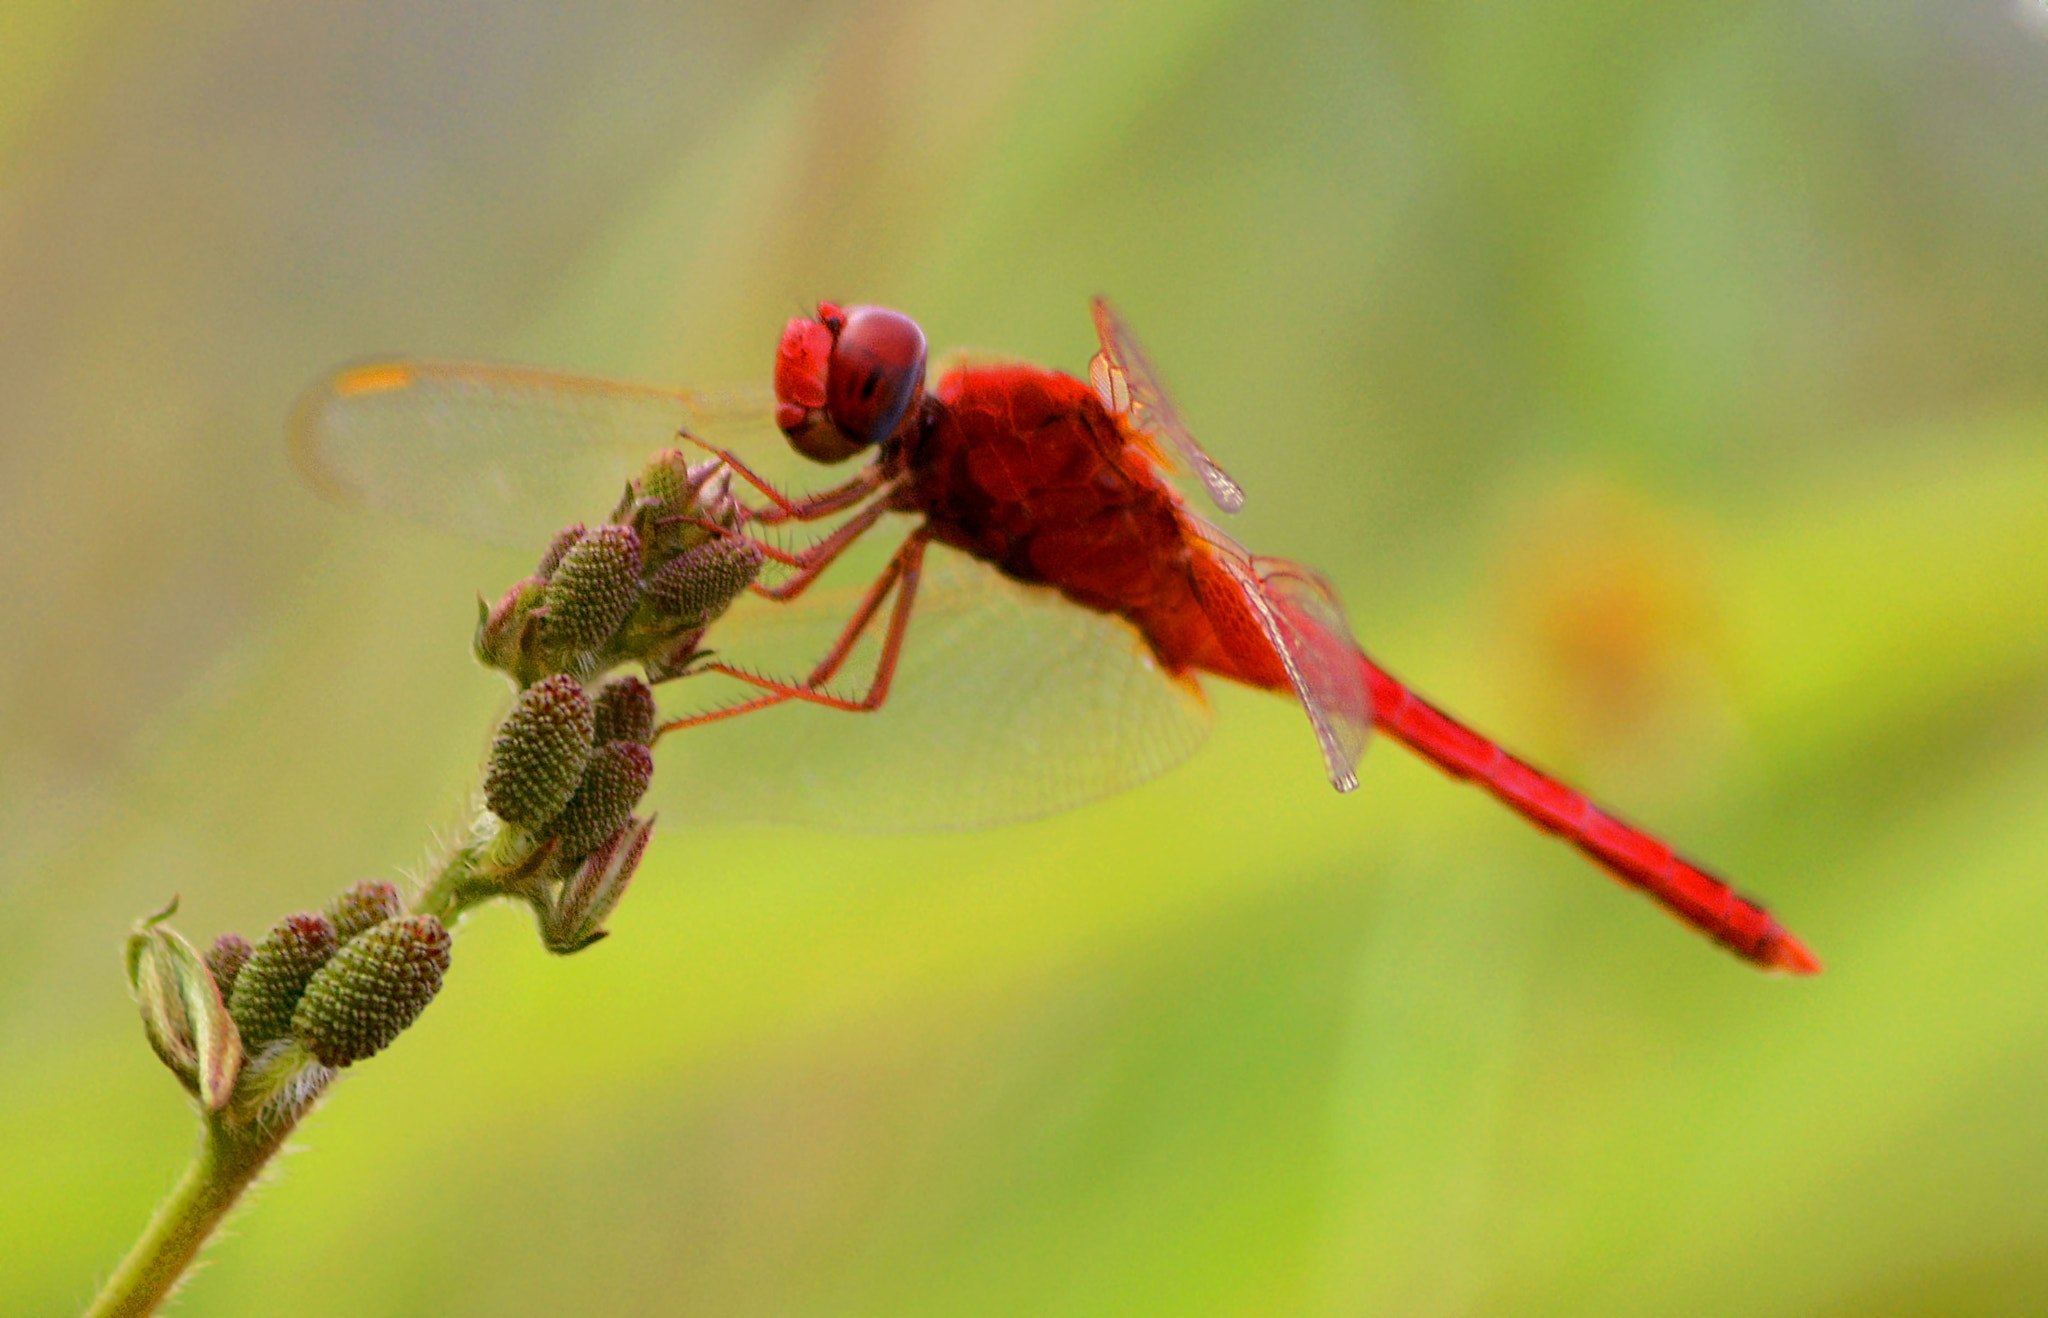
(811, 562)
(766, 700)
(902, 575)
(811, 507)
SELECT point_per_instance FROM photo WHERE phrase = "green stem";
(456, 886)
(228, 1159)
(508, 864)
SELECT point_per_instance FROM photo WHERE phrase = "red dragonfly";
(1060, 639)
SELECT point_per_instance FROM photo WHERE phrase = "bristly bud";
(225, 959)
(625, 711)
(508, 632)
(183, 1015)
(267, 989)
(703, 582)
(669, 498)
(371, 989)
(537, 758)
(592, 590)
(668, 483)
(592, 893)
(565, 540)
(372, 901)
(613, 784)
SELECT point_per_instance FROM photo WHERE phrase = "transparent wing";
(1300, 618)
(1124, 379)
(503, 453)
(1009, 703)
(1326, 657)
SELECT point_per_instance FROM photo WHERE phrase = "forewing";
(1124, 377)
(1009, 703)
(503, 453)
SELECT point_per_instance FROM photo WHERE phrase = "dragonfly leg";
(810, 507)
(902, 576)
(825, 503)
(903, 573)
(765, 700)
(810, 563)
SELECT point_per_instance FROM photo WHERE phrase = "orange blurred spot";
(1611, 602)
(377, 379)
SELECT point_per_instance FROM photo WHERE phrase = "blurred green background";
(1665, 386)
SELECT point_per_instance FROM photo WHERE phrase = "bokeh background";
(1664, 385)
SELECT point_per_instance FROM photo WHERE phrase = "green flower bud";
(268, 987)
(370, 902)
(703, 582)
(612, 785)
(225, 959)
(592, 591)
(508, 632)
(371, 989)
(625, 711)
(669, 498)
(668, 483)
(592, 893)
(537, 758)
(183, 1016)
(565, 540)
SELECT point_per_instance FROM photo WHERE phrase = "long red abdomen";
(1634, 857)
(1029, 473)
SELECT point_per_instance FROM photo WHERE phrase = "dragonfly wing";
(1010, 702)
(1298, 615)
(1328, 659)
(1124, 378)
(501, 453)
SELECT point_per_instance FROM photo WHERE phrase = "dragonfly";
(1037, 628)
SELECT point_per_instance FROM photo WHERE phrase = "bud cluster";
(341, 983)
(641, 588)
(255, 1030)
(334, 986)
(571, 761)
(565, 773)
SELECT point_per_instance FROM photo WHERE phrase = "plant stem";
(227, 1160)
(238, 1142)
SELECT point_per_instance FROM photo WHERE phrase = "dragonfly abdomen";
(1630, 855)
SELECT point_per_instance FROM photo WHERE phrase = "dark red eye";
(876, 373)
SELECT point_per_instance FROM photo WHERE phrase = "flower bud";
(370, 902)
(592, 590)
(703, 582)
(268, 987)
(508, 632)
(183, 1016)
(668, 483)
(625, 711)
(592, 893)
(225, 959)
(537, 758)
(374, 987)
(612, 785)
(670, 497)
(565, 540)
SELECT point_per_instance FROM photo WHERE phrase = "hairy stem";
(228, 1159)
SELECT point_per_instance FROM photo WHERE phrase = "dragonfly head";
(845, 380)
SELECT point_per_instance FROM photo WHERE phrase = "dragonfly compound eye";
(876, 373)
